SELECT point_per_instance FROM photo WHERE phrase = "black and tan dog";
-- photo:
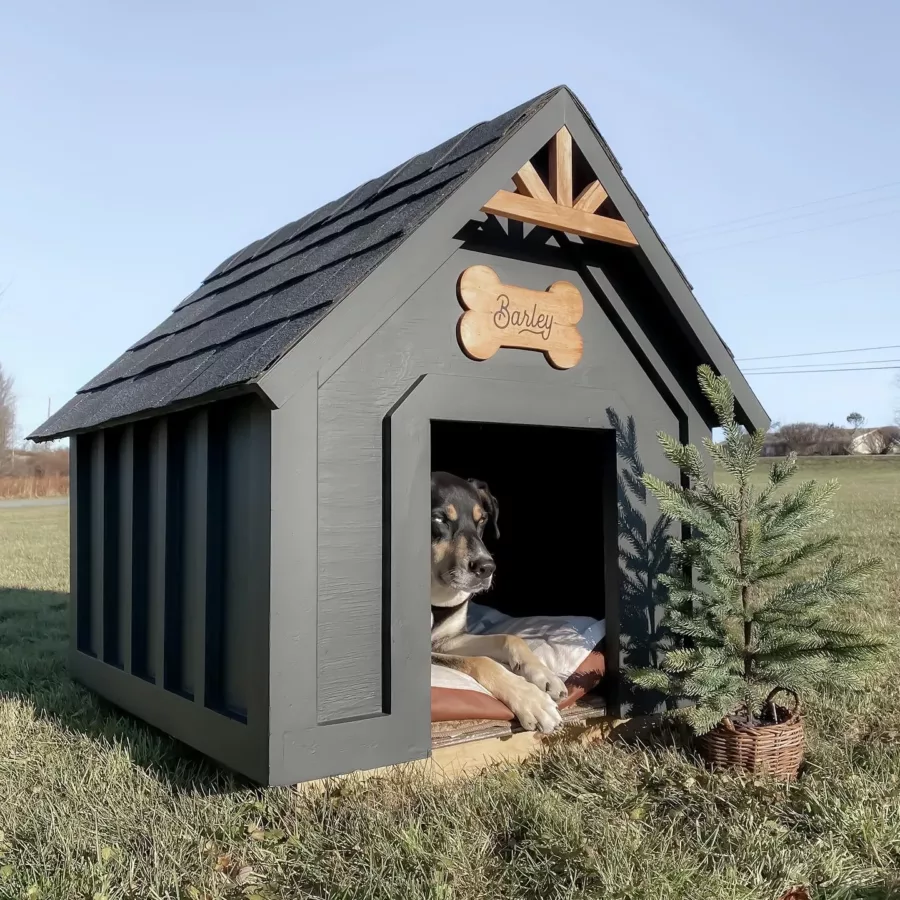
(461, 567)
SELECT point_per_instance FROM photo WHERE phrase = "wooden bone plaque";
(503, 315)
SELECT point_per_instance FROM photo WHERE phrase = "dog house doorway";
(551, 485)
(549, 455)
(554, 486)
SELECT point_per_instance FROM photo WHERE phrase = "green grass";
(95, 805)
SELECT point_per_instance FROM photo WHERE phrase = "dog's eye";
(437, 519)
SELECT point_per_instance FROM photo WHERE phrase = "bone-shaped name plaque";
(503, 315)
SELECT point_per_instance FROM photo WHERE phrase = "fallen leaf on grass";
(273, 836)
(237, 873)
(796, 893)
(244, 875)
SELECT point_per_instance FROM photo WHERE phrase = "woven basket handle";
(784, 690)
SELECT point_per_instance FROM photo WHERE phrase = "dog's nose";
(482, 568)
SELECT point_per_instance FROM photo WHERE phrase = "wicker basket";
(775, 750)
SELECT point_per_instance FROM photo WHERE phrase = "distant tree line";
(814, 439)
(21, 462)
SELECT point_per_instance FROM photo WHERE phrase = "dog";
(462, 567)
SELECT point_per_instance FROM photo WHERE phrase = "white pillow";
(562, 643)
(481, 618)
(442, 677)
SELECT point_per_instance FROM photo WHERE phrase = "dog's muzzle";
(476, 577)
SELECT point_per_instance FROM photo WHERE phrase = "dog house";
(250, 481)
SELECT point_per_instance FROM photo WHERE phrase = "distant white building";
(870, 443)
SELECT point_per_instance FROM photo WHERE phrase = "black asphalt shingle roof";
(254, 306)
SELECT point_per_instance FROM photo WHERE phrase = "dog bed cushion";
(570, 646)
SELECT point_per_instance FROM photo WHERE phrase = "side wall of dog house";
(338, 703)
(169, 563)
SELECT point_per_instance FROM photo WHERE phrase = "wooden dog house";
(250, 481)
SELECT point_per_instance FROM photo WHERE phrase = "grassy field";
(93, 805)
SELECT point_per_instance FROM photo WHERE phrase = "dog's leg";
(511, 651)
(533, 707)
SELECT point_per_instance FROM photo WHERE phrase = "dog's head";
(460, 512)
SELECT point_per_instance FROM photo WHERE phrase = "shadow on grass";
(33, 668)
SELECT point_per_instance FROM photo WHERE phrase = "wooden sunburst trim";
(559, 218)
(561, 167)
(529, 183)
(554, 208)
(591, 198)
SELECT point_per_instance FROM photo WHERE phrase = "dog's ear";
(488, 501)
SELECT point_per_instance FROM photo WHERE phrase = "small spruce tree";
(743, 613)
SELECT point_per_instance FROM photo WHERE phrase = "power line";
(775, 237)
(815, 371)
(818, 353)
(851, 277)
(719, 232)
(792, 286)
(854, 362)
(782, 209)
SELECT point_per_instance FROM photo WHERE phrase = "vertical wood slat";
(237, 553)
(156, 549)
(96, 542)
(210, 664)
(126, 511)
(140, 552)
(241, 469)
(257, 608)
(111, 648)
(79, 538)
(236, 587)
(173, 637)
(194, 569)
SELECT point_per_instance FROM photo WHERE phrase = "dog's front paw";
(534, 708)
(541, 677)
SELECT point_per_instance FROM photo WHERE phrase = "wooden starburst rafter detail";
(554, 207)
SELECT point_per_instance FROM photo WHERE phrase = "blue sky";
(141, 144)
